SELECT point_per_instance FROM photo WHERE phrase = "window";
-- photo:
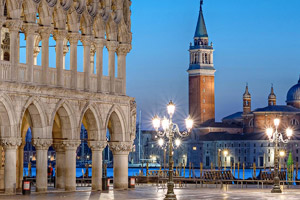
(245, 159)
(251, 123)
(207, 145)
(261, 144)
(269, 159)
(203, 100)
(203, 110)
(239, 145)
(203, 80)
(203, 90)
(297, 159)
(245, 150)
(225, 145)
(254, 151)
(294, 122)
(269, 151)
(239, 151)
(194, 148)
(254, 145)
(296, 151)
(231, 145)
(254, 159)
(239, 159)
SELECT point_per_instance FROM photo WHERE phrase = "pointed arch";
(7, 117)
(45, 14)
(73, 20)
(90, 117)
(63, 118)
(59, 17)
(33, 113)
(14, 8)
(116, 124)
(99, 27)
(111, 30)
(86, 23)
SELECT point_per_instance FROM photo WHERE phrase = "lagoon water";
(135, 171)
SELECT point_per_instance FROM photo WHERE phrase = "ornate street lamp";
(276, 138)
(169, 131)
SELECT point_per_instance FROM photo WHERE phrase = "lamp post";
(169, 131)
(276, 137)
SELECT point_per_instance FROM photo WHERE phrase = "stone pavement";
(147, 192)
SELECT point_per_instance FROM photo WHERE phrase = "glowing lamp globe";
(171, 108)
(289, 132)
(161, 142)
(269, 132)
(165, 124)
(177, 142)
(225, 152)
(189, 123)
(276, 122)
(156, 122)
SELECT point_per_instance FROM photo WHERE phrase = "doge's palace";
(54, 101)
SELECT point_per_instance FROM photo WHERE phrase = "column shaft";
(10, 170)
(29, 30)
(120, 171)
(99, 63)
(86, 41)
(73, 39)
(70, 169)
(45, 34)
(59, 36)
(123, 49)
(41, 169)
(112, 47)
(97, 170)
(59, 170)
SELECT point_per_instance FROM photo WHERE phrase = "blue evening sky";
(255, 41)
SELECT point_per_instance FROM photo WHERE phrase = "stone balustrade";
(22, 77)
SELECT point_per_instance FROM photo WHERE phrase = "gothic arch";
(86, 23)
(33, 115)
(63, 118)
(115, 122)
(73, 20)
(45, 14)
(91, 119)
(14, 8)
(111, 30)
(7, 117)
(59, 17)
(99, 27)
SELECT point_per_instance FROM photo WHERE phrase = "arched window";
(251, 123)
(294, 122)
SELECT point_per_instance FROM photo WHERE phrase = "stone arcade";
(54, 102)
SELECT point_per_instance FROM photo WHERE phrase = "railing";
(22, 76)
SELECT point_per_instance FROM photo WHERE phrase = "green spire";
(201, 28)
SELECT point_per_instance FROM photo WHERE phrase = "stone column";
(45, 34)
(122, 52)
(36, 52)
(99, 43)
(10, 147)
(14, 28)
(59, 36)
(112, 47)
(97, 148)
(66, 50)
(86, 41)
(120, 152)
(30, 29)
(70, 163)
(73, 39)
(93, 51)
(60, 165)
(41, 146)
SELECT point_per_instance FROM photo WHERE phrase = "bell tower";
(201, 75)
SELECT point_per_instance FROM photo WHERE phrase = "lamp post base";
(170, 193)
(170, 197)
(276, 189)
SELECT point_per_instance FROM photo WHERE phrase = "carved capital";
(73, 38)
(112, 45)
(29, 28)
(86, 40)
(58, 147)
(14, 25)
(120, 147)
(123, 49)
(71, 144)
(99, 42)
(45, 32)
(10, 143)
(97, 145)
(42, 144)
(59, 34)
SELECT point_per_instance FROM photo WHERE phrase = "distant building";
(241, 133)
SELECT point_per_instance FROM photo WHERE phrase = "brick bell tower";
(201, 76)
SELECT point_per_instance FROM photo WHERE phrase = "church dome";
(293, 94)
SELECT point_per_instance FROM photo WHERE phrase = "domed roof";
(293, 94)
